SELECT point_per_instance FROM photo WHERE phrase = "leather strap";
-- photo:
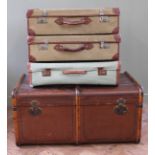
(67, 21)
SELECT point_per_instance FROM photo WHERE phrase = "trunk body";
(54, 22)
(77, 114)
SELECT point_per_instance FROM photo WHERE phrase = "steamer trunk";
(77, 114)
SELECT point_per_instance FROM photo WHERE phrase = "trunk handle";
(66, 72)
(62, 48)
(65, 20)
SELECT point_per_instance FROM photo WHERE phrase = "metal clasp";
(43, 46)
(42, 20)
(104, 45)
(103, 18)
(35, 109)
(121, 108)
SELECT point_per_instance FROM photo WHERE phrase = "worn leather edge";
(116, 11)
(139, 106)
(29, 13)
(14, 107)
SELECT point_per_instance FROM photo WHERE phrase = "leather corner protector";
(31, 32)
(115, 56)
(116, 11)
(29, 13)
(117, 38)
(32, 58)
(30, 39)
(116, 30)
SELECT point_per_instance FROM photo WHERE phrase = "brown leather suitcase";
(73, 21)
(73, 48)
(77, 114)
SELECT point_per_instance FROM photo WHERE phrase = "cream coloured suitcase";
(75, 21)
(73, 48)
(99, 73)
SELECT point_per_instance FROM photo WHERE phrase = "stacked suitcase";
(74, 92)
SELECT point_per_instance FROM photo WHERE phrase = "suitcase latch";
(43, 47)
(121, 108)
(104, 45)
(46, 72)
(103, 18)
(35, 109)
(42, 20)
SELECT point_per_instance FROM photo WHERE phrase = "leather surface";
(78, 114)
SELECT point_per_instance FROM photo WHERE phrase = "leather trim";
(32, 58)
(115, 56)
(117, 38)
(30, 39)
(15, 120)
(31, 32)
(29, 13)
(116, 11)
(116, 30)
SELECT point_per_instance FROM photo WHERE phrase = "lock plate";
(35, 110)
(121, 107)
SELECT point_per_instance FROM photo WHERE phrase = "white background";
(133, 30)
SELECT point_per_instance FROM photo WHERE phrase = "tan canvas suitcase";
(73, 48)
(77, 21)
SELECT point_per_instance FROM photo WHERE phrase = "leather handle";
(66, 72)
(62, 48)
(67, 21)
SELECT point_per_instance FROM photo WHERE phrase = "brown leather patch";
(31, 32)
(116, 30)
(117, 38)
(30, 39)
(115, 56)
(32, 58)
(116, 11)
(102, 71)
(29, 13)
(46, 72)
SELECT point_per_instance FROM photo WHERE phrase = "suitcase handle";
(62, 48)
(66, 72)
(64, 20)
